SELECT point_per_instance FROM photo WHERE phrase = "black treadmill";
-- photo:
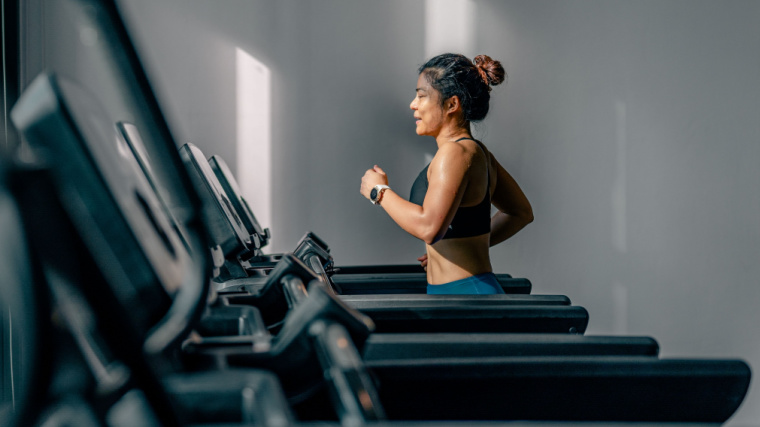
(124, 286)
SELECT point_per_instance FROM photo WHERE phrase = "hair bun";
(490, 71)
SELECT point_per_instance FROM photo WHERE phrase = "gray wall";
(632, 126)
(342, 80)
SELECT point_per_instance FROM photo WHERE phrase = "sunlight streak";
(254, 135)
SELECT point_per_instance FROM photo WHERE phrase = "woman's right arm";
(514, 208)
(447, 182)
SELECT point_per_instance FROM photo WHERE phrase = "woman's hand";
(371, 178)
(423, 261)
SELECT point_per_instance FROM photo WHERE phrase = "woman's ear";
(452, 105)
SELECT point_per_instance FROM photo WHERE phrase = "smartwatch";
(377, 193)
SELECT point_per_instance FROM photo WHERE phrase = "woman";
(450, 204)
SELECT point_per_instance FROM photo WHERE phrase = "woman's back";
(463, 251)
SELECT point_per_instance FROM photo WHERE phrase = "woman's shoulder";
(464, 148)
(453, 152)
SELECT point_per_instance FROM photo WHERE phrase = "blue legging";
(480, 284)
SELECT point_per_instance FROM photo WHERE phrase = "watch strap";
(379, 190)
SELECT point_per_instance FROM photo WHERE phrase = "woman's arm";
(514, 208)
(446, 185)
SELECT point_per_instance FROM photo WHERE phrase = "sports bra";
(469, 220)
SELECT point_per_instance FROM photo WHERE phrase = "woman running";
(450, 203)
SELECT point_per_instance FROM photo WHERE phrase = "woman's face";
(427, 108)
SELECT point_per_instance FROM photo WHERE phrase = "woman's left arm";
(515, 211)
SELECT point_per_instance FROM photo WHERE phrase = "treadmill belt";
(409, 283)
(466, 345)
(523, 319)
(562, 388)
(371, 301)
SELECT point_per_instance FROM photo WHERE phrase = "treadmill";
(124, 287)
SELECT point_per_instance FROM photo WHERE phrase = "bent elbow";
(432, 235)
(525, 214)
(430, 238)
(528, 217)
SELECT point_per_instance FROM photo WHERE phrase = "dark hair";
(453, 74)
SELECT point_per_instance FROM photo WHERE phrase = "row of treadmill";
(167, 317)
(139, 279)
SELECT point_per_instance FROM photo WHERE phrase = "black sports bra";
(468, 221)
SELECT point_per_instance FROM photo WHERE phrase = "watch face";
(373, 194)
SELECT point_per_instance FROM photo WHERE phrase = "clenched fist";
(371, 178)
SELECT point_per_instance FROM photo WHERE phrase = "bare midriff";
(456, 259)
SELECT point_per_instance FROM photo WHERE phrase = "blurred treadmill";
(126, 288)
